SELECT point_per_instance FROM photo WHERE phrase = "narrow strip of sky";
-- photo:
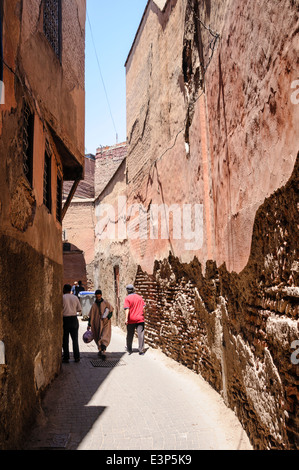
(110, 30)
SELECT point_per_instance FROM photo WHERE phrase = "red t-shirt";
(135, 303)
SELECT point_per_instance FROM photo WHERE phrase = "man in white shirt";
(71, 305)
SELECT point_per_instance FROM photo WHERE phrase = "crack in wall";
(195, 60)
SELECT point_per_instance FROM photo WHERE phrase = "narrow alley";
(194, 203)
(143, 403)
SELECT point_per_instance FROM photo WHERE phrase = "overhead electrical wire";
(101, 75)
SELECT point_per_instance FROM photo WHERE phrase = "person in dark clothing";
(80, 287)
(71, 306)
(77, 287)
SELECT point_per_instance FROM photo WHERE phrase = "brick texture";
(237, 330)
(108, 160)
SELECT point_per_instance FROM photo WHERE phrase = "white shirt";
(71, 305)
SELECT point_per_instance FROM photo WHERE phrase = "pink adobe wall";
(253, 123)
(243, 129)
(225, 137)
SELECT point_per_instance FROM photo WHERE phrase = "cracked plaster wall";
(237, 330)
(231, 312)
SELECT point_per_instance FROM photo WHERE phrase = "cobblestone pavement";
(144, 402)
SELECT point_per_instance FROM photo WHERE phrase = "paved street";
(144, 403)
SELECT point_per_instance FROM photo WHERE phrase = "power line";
(103, 83)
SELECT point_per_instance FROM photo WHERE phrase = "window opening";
(28, 135)
(47, 181)
(59, 199)
(52, 24)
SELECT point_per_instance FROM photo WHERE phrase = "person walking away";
(100, 323)
(71, 306)
(77, 288)
(74, 287)
(134, 310)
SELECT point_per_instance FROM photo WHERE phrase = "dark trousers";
(70, 327)
(130, 335)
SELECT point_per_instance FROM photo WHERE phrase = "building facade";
(210, 237)
(81, 248)
(41, 145)
(78, 229)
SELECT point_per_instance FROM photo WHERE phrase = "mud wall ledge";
(238, 330)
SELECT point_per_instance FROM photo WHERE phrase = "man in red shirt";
(134, 310)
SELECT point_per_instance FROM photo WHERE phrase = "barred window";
(52, 24)
(28, 135)
(59, 199)
(47, 181)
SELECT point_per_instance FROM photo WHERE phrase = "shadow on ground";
(66, 416)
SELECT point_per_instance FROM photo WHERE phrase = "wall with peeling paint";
(210, 120)
(213, 112)
(238, 331)
(39, 84)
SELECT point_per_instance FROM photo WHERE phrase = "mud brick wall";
(31, 330)
(237, 330)
(108, 160)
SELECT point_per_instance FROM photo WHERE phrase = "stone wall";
(237, 330)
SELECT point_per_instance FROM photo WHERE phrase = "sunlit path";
(146, 402)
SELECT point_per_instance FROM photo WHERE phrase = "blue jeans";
(70, 327)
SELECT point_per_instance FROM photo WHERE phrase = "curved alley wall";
(239, 331)
(212, 119)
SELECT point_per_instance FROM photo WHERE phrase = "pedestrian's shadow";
(111, 359)
(136, 350)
